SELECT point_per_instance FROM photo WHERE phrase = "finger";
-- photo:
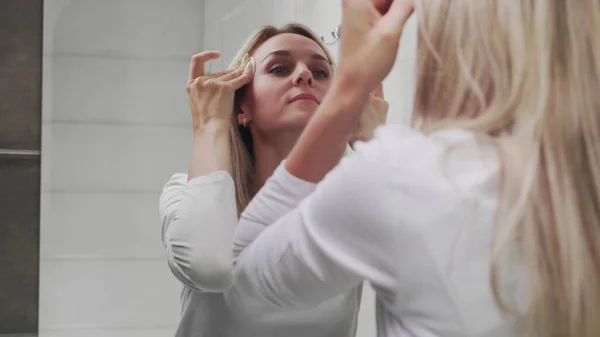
(198, 61)
(220, 74)
(231, 74)
(394, 20)
(244, 78)
(378, 92)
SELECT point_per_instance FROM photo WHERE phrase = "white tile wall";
(115, 127)
(98, 225)
(115, 157)
(108, 293)
(119, 90)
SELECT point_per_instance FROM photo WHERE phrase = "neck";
(269, 151)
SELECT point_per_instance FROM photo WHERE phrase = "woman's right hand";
(211, 97)
(370, 37)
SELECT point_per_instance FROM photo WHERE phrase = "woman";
(273, 87)
(481, 220)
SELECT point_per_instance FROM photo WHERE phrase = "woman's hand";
(370, 37)
(211, 97)
(373, 115)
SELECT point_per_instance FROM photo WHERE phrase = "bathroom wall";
(115, 127)
(20, 119)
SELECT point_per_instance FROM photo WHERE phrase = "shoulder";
(402, 166)
(443, 157)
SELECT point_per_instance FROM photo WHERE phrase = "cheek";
(323, 86)
(267, 96)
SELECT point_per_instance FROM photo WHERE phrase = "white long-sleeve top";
(411, 214)
(198, 221)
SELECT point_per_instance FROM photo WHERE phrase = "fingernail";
(250, 64)
(244, 60)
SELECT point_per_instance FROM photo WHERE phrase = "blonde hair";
(242, 151)
(528, 74)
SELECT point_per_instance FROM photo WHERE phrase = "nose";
(303, 76)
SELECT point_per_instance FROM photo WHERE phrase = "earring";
(245, 122)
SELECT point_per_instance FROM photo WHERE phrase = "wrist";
(213, 126)
(349, 92)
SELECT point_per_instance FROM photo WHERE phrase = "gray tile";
(19, 244)
(20, 73)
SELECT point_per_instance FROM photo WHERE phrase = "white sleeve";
(339, 236)
(276, 198)
(198, 220)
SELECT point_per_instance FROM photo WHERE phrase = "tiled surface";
(150, 29)
(19, 237)
(112, 294)
(100, 225)
(115, 127)
(113, 158)
(115, 90)
(20, 73)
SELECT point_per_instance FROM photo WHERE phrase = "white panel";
(113, 158)
(52, 12)
(107, 294)
(399, 89)
(99, 332)
(283, 12)
(408, 42)
(322, 17)
(131, 28)
(113, 90)
(213, 12)
(101, 225)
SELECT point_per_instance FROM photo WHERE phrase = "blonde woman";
(245, 121)
(483, 219)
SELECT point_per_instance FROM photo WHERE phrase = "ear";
(243, 114)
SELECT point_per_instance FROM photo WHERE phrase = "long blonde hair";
(242, 151)
(528, 74)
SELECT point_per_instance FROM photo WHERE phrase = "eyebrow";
(286, 53)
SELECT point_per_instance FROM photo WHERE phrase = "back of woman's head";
(528, 73)
(241, 140)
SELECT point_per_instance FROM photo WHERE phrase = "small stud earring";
(245, 122)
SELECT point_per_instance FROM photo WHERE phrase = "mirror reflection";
(134, 211)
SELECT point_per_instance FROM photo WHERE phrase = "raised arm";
(198, 211)
(339, 236)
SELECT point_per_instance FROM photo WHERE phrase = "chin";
(298, 119)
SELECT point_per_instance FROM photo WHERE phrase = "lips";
(305, 96)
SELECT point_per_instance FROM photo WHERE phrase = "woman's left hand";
(372, 116)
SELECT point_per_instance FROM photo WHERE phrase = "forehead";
(298, 45)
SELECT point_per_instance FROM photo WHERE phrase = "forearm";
(281, 193)
(211, 151)
(322, 144)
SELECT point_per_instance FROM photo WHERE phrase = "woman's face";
(291, 78)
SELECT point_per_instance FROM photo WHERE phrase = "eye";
(278, 70)
(320, 73)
